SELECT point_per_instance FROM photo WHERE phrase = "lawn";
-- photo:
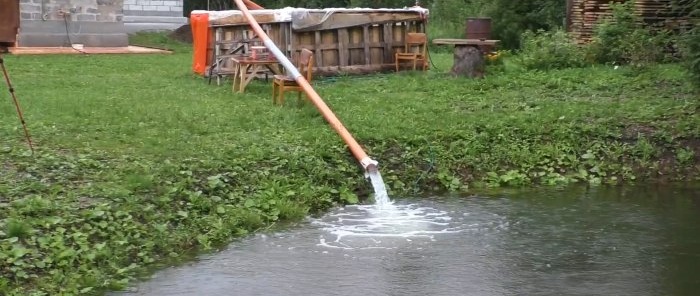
(139, 161)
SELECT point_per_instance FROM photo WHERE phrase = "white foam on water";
(384, 226)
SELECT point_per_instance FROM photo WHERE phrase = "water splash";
(388, 227)
(382, 225)
(381, 197)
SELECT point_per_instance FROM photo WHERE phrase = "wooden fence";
(345, 43)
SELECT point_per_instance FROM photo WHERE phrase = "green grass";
(140, 162)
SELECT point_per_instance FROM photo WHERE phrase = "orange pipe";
(366, 162)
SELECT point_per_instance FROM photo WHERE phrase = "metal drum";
(479, 28)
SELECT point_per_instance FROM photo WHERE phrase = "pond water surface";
(576, 241)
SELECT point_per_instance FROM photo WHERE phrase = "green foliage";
(685, 156)
(512, 18)
(17, 229)
(448, 18)
(691, 44)
(623, 39)
(693, 55)
(545, 50)
(509, 18)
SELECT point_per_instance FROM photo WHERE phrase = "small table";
(468, 55)
(245, 68)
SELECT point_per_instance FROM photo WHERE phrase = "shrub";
(623, 39)
(512, 18)
(544, 50)
(691, 45)
(509, 18)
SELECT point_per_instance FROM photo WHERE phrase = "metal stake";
(17, 107)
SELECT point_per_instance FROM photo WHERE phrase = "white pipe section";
(291, 69)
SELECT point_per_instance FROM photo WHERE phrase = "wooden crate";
(347, 42)
(9, 22)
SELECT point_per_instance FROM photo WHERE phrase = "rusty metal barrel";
(479, 28)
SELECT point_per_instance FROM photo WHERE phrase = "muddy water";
(578, 241)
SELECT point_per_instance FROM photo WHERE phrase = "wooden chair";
(415, 50)
(284, 83)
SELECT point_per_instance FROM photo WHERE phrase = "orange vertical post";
(200, 41)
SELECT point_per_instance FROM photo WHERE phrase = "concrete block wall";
(153, 7)
(153, 15)
(77, 10)
(62, 22)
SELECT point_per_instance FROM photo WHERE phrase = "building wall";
(153, 15)
(66, 22)
(94, 22)
(79, 10)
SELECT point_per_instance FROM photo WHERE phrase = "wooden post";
(343, 51)
(468, 61)
(388, 41)
(365, 44)
(318, 59)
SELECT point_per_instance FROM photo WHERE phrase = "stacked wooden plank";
(585, 15)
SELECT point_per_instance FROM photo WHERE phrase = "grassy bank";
(139, 161)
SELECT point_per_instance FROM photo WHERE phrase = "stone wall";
(66, 22)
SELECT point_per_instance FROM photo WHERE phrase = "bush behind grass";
(544, 50)
(691, 44)
(141, 163)
(621, 39)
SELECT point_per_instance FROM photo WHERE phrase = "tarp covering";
(311, 18)
(307, 19)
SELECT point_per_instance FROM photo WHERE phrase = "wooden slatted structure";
(585, 15)
(347, 42)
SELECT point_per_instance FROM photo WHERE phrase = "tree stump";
(468, 61)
